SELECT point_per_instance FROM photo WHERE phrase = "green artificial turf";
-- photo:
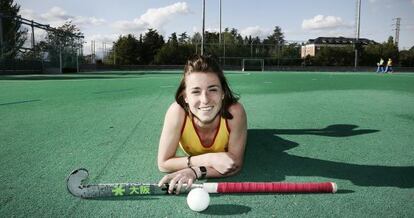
(354, 129)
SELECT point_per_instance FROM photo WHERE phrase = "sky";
(300, 20)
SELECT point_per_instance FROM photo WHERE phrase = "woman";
(207, 122)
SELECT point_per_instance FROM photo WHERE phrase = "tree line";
(151, 48)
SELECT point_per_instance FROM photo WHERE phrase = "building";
(312, 46)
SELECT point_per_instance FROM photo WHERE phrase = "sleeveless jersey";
(191, 144)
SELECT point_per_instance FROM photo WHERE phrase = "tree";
(407, 57)
(277, 39)
(152, 43)
(13, 36)
(196, 39)
(334, 56)
(127, 50)
(291, 54)
(173, 52)
(64, 43)
(370, 54)
(390, 50)
(277, 36)
(183, 38)
(173, 39)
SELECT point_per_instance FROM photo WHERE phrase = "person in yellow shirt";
(207, 123)
(380, 66)
(389, 69)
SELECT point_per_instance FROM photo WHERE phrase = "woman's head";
(204, 91)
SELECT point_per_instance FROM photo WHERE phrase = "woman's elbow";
(162, 170)
(236, 169)
(162, 167)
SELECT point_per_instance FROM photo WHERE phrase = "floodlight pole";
(77, 60)
(220, 26)
(202, 34)
(60, 59)
(33, 39)
(356, 43)
(114, 52)
(397, 31)
(1, 35)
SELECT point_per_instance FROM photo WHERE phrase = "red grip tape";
(275, 187)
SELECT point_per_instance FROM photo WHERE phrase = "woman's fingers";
(164, 180)
(173, 182)
(179, 185)
(176, 181)
(189, 184)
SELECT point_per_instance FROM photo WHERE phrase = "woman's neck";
(207, 127)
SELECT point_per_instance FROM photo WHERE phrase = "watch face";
(203, 172)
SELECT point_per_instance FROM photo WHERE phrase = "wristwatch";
(203, 171)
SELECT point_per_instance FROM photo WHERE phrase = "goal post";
(252, 64)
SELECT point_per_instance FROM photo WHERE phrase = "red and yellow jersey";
(191, 144)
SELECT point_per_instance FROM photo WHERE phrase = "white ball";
(198, 199)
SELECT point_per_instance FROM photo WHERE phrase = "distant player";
(389, 69)
(207, 123)
(380, 66)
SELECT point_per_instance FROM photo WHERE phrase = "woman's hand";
(184, 176)
(223, 162)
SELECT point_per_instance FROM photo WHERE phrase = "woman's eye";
(195, 92)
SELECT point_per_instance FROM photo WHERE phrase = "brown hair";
(206, 64)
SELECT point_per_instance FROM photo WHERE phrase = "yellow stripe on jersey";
(191, 144)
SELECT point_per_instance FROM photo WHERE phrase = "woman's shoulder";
(239, 121)
(175, 113)
(238, 113)
(237, 109)
(176, 108)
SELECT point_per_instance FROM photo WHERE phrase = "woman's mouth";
(208, 108)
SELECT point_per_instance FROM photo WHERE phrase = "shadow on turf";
(123, 198)
(114, 75)
(226, 209)
(266, 159)
(60, 77)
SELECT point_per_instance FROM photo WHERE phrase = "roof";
(340, 40)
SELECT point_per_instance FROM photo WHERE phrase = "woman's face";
(204, 95)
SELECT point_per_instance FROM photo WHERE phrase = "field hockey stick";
(77, 188)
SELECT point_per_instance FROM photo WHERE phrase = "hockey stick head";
(74, 182)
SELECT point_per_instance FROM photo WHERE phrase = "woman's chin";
(206, 119)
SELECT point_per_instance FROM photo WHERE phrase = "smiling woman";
(207, 123)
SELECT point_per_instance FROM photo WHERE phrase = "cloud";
(29, 14)
(255, 31)
(56, 13)
(153, 18)
(57, 16)
(323, 22)
(108, 38)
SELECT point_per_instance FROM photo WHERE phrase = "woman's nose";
(204, 97)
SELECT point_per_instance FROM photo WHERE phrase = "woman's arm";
(170, 137)
(228, 163)
(219, 164)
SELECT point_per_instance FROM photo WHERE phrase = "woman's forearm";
(225, 162)
(178, 163)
